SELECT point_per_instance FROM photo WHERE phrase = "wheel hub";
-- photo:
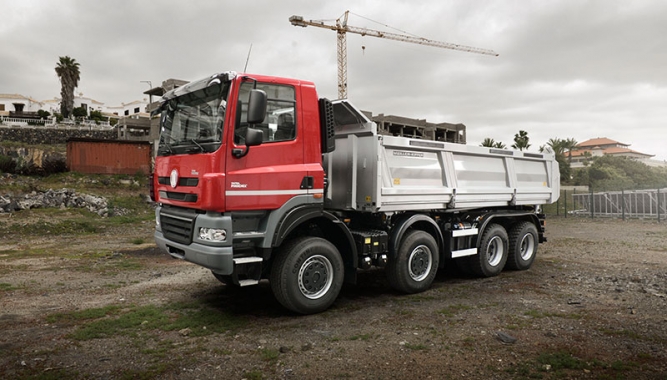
(419, 263)
(494, 251)
(315, 277)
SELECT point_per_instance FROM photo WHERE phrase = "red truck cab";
(238, 155)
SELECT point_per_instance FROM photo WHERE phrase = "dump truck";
(257, 178)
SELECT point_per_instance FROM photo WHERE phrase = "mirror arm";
(240, 153)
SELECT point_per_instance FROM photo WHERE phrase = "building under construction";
(419, 128)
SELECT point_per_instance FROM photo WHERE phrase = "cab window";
(280, 121)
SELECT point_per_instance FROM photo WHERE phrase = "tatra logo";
(173, 178)
(239, 185)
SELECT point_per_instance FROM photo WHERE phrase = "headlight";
(212, 234)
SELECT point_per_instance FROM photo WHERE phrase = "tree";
(68, 71)
(569, 144)
(491, 143)
(558, 146)
(521, 141)
(80, 112)
(619, 173)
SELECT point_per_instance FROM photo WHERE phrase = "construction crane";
(341, 28)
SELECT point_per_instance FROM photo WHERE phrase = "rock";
(284, 349)
(185, 332)
(505, 338)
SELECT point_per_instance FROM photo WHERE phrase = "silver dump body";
(375, 173)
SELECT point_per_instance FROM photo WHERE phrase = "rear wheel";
(307, 275)
(416, 263)
(522, 246)
(491, 252)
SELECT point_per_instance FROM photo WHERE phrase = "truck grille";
(177, 225)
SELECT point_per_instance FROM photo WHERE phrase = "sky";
(566, 69)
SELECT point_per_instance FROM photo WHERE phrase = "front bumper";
(218, 259)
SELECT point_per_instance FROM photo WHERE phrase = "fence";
(648, 204)
(15, 122)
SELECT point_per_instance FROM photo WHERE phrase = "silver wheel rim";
(527, 247)
(420, 262)
(315, 277)
(494, 251)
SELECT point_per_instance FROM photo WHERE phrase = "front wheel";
(307, 275)
(522, 246)
(491, 252)
(414, 267)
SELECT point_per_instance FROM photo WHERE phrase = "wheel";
(416, 263)
(307, 275)
(522, 246)
(491, 252)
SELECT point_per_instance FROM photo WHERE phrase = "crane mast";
(342, 28)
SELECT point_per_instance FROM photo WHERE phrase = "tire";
(523, 242)
(416, 263)
(491, 252)
(307, 275)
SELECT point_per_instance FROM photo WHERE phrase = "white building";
(18, 103)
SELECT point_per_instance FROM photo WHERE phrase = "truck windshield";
(193, 122)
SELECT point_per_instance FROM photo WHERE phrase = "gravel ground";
(594, 305)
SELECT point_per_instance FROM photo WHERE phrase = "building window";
(2, 107)
(127, 112)
(136, 110)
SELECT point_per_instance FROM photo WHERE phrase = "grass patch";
(541, 314)
(116, 320)
(415, 347)
(452, 310)
(363, 337)
(269, 354)
(561, 360)
(43, 228)
(138, 241)
(6, 287)
(255, 374)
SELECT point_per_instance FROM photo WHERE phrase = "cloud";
(579, 69)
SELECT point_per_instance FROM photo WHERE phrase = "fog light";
(212, 234)
(157, 223)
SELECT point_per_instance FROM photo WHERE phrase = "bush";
(7, 164)
(80, 112)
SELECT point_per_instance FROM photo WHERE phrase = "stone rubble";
(63, 198)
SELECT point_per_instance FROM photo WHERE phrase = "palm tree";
(521, 141)
(488, 142)
(68, 72)
(491, 143)
(569, 144)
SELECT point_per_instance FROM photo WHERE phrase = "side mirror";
(253, 137)
(256, 107)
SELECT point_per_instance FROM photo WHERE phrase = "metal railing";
(645, 204)
(15, 122)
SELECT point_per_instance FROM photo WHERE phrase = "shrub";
(7, 164)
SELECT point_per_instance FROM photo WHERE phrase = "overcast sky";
(566, 69)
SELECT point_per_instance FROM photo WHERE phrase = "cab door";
(270, 173)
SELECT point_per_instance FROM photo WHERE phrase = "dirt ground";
(103, 306)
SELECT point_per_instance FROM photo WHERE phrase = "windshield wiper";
(201, 148)
(166, 145)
